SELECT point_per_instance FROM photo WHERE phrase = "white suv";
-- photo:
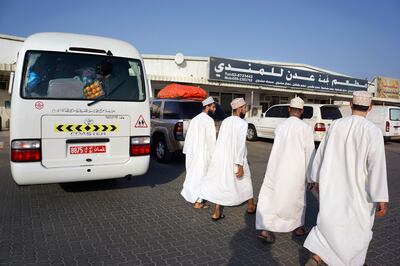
(318, 116)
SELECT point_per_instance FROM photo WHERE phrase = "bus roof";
(62, 42)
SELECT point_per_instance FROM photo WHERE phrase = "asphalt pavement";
(145, 221)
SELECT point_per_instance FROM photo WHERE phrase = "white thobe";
(281, 202)
(199, 145)
(350, 168)
(221, 186)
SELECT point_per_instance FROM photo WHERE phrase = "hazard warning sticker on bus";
(86, 128)
(141, 123)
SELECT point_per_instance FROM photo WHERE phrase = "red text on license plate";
(87, 149)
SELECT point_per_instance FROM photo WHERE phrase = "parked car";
(387, 118)
(170, 120)
(318, 116)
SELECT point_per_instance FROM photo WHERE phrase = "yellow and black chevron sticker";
(85, 128)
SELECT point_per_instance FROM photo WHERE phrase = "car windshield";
(394, 114)
(330, 112)
(77, 76)
(188, 110)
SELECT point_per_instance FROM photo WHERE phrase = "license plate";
(87, 149)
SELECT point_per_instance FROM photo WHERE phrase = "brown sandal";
(201, 206)
(304, 232)
(270, 239)
(312, 261)
(252, 211)
(221, 216)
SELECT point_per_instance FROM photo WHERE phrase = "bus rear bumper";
(36, 173)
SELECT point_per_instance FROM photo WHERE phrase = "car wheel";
(163, 155)
(251, 133)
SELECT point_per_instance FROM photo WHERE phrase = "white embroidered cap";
(208, 101)
(297, 102)
(238, 102)
(362, 98)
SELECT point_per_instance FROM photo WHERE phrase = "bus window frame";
(24, 69)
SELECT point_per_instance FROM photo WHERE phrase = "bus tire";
(251, 133)
(161, 152)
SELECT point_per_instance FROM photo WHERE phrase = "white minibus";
(80, 110)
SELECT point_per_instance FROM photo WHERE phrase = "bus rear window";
(394, 114)
(76, 76)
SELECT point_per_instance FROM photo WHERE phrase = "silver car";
(170, 120)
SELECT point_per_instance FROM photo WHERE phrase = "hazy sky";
(356, 38)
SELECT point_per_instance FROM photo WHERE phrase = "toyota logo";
(89, 121)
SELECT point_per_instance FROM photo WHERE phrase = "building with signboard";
(261, 83)
(387, 88)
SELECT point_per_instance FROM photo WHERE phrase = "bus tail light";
(387, 128)
(26, 151)
(140, 146)
(178, 131)
(319, 127)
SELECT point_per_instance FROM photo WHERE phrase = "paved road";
(144, 221)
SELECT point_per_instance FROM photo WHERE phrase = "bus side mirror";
(11, 83)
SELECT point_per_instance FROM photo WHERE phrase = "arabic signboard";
(388, 88)
(228, 70)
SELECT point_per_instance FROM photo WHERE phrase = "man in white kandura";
(228, 180)
(199, 146)
(281, 203)
(350, 170)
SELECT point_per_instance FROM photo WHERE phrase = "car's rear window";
(219, 114)
(394, 114)
(188, 110)
(280, 111)
(330, 112)
(308, 112)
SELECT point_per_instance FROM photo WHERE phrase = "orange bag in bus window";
(175, 90)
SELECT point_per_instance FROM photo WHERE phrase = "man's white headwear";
(297, 102)
(238, 102)
(362, 98)
(208, 101)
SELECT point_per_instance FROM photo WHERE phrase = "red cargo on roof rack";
(175, 90)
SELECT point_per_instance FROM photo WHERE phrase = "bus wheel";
(251, 133)
(163, 155)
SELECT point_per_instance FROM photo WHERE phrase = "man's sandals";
(252, 211)
(269, 239)
(200, 205)
(221, 216)
(300, 232)
(312, 261)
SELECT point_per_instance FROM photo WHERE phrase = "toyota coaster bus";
(80, 110)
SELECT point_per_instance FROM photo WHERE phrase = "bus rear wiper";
(106, 95)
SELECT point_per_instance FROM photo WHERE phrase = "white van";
(387, 118)
(80, 110)
(318, 116)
